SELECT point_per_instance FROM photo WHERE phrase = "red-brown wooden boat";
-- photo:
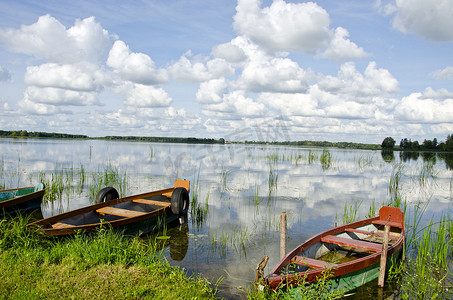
(351, 252)
(138, 212)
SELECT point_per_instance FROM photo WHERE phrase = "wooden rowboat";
(351, 252)
(139, 213)
(25, 199)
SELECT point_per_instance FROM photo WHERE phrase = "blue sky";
(355, 71)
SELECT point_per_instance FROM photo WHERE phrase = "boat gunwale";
(275, 278)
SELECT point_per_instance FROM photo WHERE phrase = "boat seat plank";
(62, 225)
(333, 239)
(152, 202)
(168, 195)
(312, 263)
(379, 234)
(120, 212)
(384, 222)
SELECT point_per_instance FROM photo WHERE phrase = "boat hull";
(22, 200)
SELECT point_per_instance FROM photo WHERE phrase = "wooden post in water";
(385, 247)
(282, 235)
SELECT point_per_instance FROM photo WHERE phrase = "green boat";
(25, 199)
(351, 253)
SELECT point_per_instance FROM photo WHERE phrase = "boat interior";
(127, 209)
(349, 245)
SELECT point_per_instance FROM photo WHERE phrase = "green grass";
(105, 265)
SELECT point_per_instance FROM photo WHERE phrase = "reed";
(425, 274)
(110, 176)
(198, 211)
(224, 178)
(257, 194)
(427, 172)
(365, 161)
(151, 153)
(311, 157)
(395, 184)
(350, 211)
(326, 159)
(273, 177)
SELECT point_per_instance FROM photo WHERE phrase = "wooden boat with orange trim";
(25, 199)
(138, 212)
(351, 252)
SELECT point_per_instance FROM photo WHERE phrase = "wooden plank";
(384, 222)
(168, 195)
(62, 225)
(152, 202)
(120, 212)
(379, 234)
(312, 263)
(385, 247)
(333, 239)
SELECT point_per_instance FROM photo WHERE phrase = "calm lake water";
(238, 192)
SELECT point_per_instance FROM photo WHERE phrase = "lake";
(238, 191)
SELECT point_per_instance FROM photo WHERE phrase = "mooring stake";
(282, 235)
(385, 247)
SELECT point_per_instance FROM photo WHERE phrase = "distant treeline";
(190, 140)
(427, 145)
(322, 144)
(38, 134)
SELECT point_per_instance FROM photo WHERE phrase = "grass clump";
(104, 265)
(303, 290)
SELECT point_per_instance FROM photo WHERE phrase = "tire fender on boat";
(179, 201)
(106, 194)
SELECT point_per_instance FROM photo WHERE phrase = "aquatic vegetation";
(151, 153)
(326, 159)
(395, 184)
(273, 177)
(311, 157)
(427, 172)
(350, 211)
(224, 178)
(365, 161)
(110, 176)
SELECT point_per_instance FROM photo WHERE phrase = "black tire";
(107, 194)
(180, 201)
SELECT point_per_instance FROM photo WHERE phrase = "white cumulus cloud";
(136, 67)
(199, 69)
(446, 73)
(78, 77)
(265, 73)
(212, 91)
(58, 96)
(415, 108)
(341, 48)
(284, 26)
(427, 18)
(139, 95)
(50, 40)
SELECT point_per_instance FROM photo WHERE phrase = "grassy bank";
(105, 265)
